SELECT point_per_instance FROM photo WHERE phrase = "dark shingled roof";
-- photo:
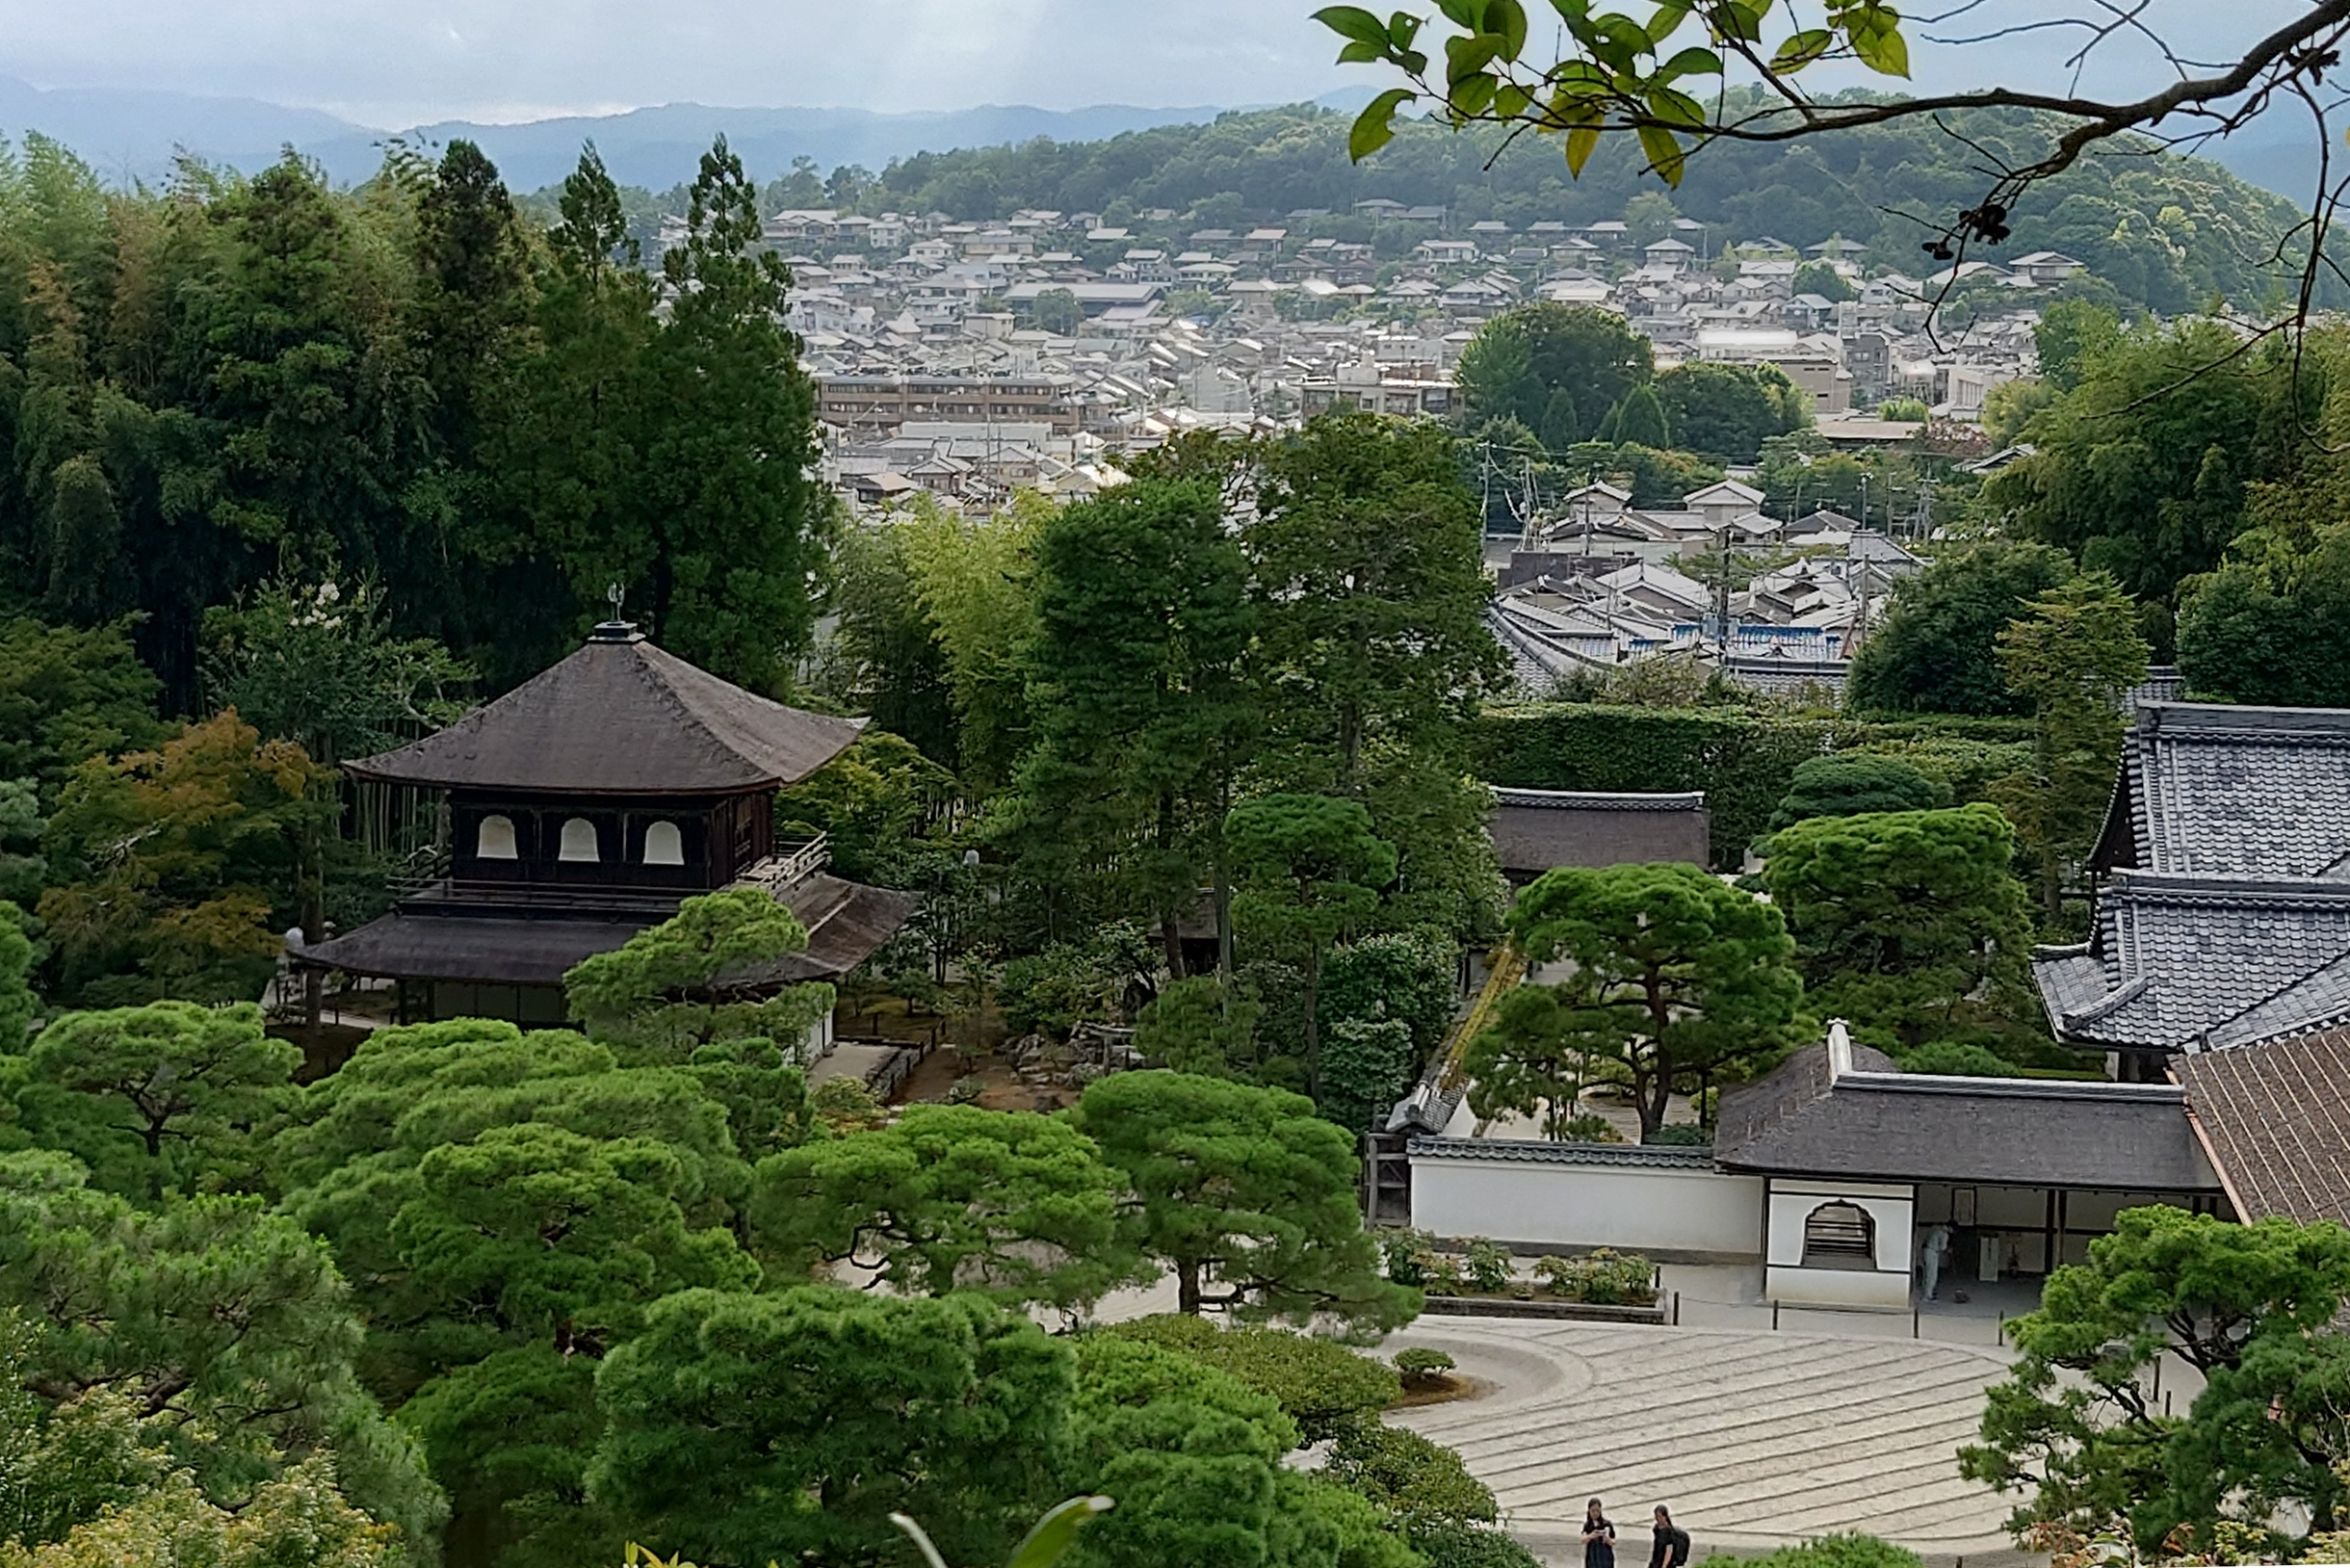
(846, 922)
(1524, 1151)
(1535, 831)
(620, 717)
(2227, 918)
(2221, 790)
(2190, 963)
(1870, 1122)
(2275, 1119)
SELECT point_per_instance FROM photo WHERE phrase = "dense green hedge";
(1741, 760)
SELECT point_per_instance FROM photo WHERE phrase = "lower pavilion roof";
(2193, 963)
(488, 944)
(2275, 1119)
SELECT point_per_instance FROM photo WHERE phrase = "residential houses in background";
(969, 360)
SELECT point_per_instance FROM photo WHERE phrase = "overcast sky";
(396, 63)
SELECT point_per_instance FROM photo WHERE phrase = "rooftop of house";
(2232, 791)
(2275, 1121)
(2186, 963)
(1839, 1109)
(620, 717)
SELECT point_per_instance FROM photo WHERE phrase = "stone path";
(1754, 1440)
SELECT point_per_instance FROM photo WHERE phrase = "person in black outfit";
(1599, 1538)
(1672, 1543)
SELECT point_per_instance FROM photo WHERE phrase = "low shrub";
(1680, 1134)
(1489, 1266)
(1422, 1370)
(1323, 1387)
(1601, 1278)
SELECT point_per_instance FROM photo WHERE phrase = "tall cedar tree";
(1143, 616)
(569, 452)
(2073, 656)
(735, 526)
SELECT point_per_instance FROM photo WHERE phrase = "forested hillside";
(2167, 232)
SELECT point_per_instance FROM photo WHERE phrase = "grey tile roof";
(1535, 831)
(620, 717)
(1524, 1151)
(2227, 916)
(2239, 791)
(1874, 1123)
(2189, 963)
(2276, 1120)
(846, 922)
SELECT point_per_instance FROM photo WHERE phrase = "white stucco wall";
(1625, 1207)
(1893, 1210)
(1836, 1288)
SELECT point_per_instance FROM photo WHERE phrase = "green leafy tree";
(1367, 1066)
(694, 979)
(177, 867)
(1373, 650)
(1191, 1453)
(167, 1095)
(1851, 784)
(2246, 1306)
(1909, 923)
(572, 444)
(1322, 1387)
(1246, 1194)
(69, 694)
(1201, 1024)
(1938, 650)
(309, 665)
(2073, 656)
(1562, 422)
(1726, 411)
(225, 1325)
(887, 659)
(2140, 470)
(1675, 974)
(976, 582)
(1056, 311)
(1522, 359)
(747, 1426)
(18, 1006)
(1017, 1205)
(1308, 867)
(546, 1235)
(1532, 1060)
(1639, 420)
(24, 870)
(1143, 719)
(295, 1520)
(1820, 279)
(737, 527)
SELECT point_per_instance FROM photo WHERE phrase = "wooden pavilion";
(579, 808)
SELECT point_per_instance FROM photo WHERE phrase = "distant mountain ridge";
(130, 134)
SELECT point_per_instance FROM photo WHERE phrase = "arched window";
(494, 839)
(578, 841)
(663, 845)
(1839, 1236)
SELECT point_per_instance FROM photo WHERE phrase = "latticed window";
(1839, 1236)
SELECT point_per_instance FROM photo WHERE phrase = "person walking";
(1599, 1538)
(1672, 1543)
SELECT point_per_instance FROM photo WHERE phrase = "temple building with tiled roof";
(585, 805)
(2223, 909)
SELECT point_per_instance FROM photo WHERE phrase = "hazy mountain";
(132, 134)
(129, 135)
(2279, 157)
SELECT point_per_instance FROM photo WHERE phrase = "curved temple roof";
(620, 717)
